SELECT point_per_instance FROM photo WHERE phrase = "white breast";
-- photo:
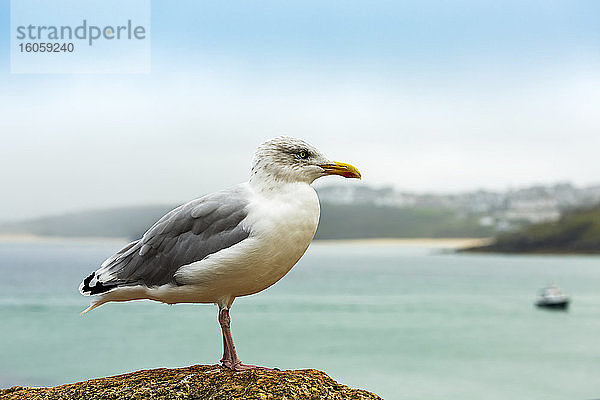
(282, 223)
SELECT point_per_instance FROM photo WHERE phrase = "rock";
(198, 382)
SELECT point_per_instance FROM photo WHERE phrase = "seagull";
(228, 244)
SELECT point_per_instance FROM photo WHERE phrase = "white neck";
(269, 183)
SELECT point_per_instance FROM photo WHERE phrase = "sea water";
(406, 322)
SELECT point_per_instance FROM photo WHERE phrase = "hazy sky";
(425, 96)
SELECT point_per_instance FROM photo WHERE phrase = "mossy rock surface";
(198, 382)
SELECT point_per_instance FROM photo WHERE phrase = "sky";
(426, 96)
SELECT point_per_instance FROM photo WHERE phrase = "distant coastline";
(337, 222)
(577, 231)
(537, 219)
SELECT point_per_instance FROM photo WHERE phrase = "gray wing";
(187, 234)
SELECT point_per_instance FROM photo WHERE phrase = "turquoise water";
(403, 322)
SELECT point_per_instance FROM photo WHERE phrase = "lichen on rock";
(198, 382)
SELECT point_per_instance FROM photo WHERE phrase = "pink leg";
(230, 358)
(226, 355)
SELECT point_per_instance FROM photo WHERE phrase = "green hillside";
(368, 221)
(577, 231)
(337, 222)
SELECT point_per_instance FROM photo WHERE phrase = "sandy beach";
(450, 243)
(27, 238)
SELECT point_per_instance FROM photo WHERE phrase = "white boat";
(552, 297)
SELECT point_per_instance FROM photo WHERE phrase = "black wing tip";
(98, 288)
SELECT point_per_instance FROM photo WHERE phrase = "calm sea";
(404, 322)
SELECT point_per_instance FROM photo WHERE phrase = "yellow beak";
(340, 168)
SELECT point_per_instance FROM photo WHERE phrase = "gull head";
(289, 160)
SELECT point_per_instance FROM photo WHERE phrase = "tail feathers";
(92, 285)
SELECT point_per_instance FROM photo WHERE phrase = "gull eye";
(303, 154)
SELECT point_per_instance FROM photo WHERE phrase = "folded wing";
(187, 234)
